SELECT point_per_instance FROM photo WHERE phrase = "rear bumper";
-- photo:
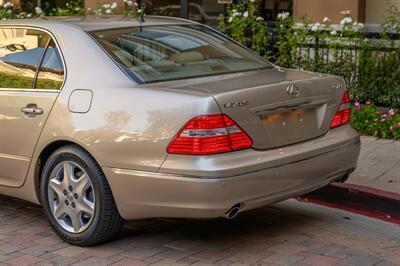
(207, 187)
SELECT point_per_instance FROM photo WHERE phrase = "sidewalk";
(379, 165)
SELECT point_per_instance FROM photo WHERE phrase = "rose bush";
(72, 8)
(367, 120)
(371, 67)
(7, 12)
(242, 24)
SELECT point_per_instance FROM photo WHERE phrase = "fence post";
(316, 54)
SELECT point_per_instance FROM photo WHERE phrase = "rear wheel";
(77, 199)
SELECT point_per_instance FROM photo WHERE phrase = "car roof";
(93, 23)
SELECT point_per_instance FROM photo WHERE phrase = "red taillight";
(343, 115)
(209, 134)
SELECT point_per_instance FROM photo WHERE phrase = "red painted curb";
(357, 199)
(369, 190)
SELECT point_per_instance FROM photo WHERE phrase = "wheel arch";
(44, 155)
(108, 218)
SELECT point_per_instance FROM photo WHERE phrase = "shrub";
(6, 10)
(241, 23)
(129, 8)
(72, 8)
(371, 68)
(367, 120)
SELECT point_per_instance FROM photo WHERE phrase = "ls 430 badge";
(236, 104)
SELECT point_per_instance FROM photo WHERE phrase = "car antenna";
(141, 17)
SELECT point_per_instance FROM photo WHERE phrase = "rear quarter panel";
(127, 128)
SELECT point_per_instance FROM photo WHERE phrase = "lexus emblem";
(293, 91)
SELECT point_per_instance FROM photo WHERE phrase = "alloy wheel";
(71, 197)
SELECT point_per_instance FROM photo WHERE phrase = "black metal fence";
(370, 65)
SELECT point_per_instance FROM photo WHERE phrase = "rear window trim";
(138, 79)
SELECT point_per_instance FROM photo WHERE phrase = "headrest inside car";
(187, 57)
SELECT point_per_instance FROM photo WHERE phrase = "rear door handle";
(32, 110)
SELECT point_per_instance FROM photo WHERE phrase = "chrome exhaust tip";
(233, 212)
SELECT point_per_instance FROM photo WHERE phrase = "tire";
(85, 208)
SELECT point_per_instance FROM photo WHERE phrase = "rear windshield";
(161, 53)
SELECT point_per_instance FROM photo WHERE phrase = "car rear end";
(257, 176)
(221, 164)
(273, 133)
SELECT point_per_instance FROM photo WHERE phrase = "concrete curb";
(358, 199)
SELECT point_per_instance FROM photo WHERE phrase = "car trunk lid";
(275, 107)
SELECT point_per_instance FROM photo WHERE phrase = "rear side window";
(51, 71)
(160, 53)
(24, 57)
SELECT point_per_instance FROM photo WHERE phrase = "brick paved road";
(289, 233)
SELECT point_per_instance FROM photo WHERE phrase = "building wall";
(317, 10)
(375, 10)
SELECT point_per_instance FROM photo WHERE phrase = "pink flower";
(384, 115)
(398, 125)
(391, 127)
(378, 113)
(383, 120)
(358, 108)
(368, 102)
(392, 112)
(357, 104)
